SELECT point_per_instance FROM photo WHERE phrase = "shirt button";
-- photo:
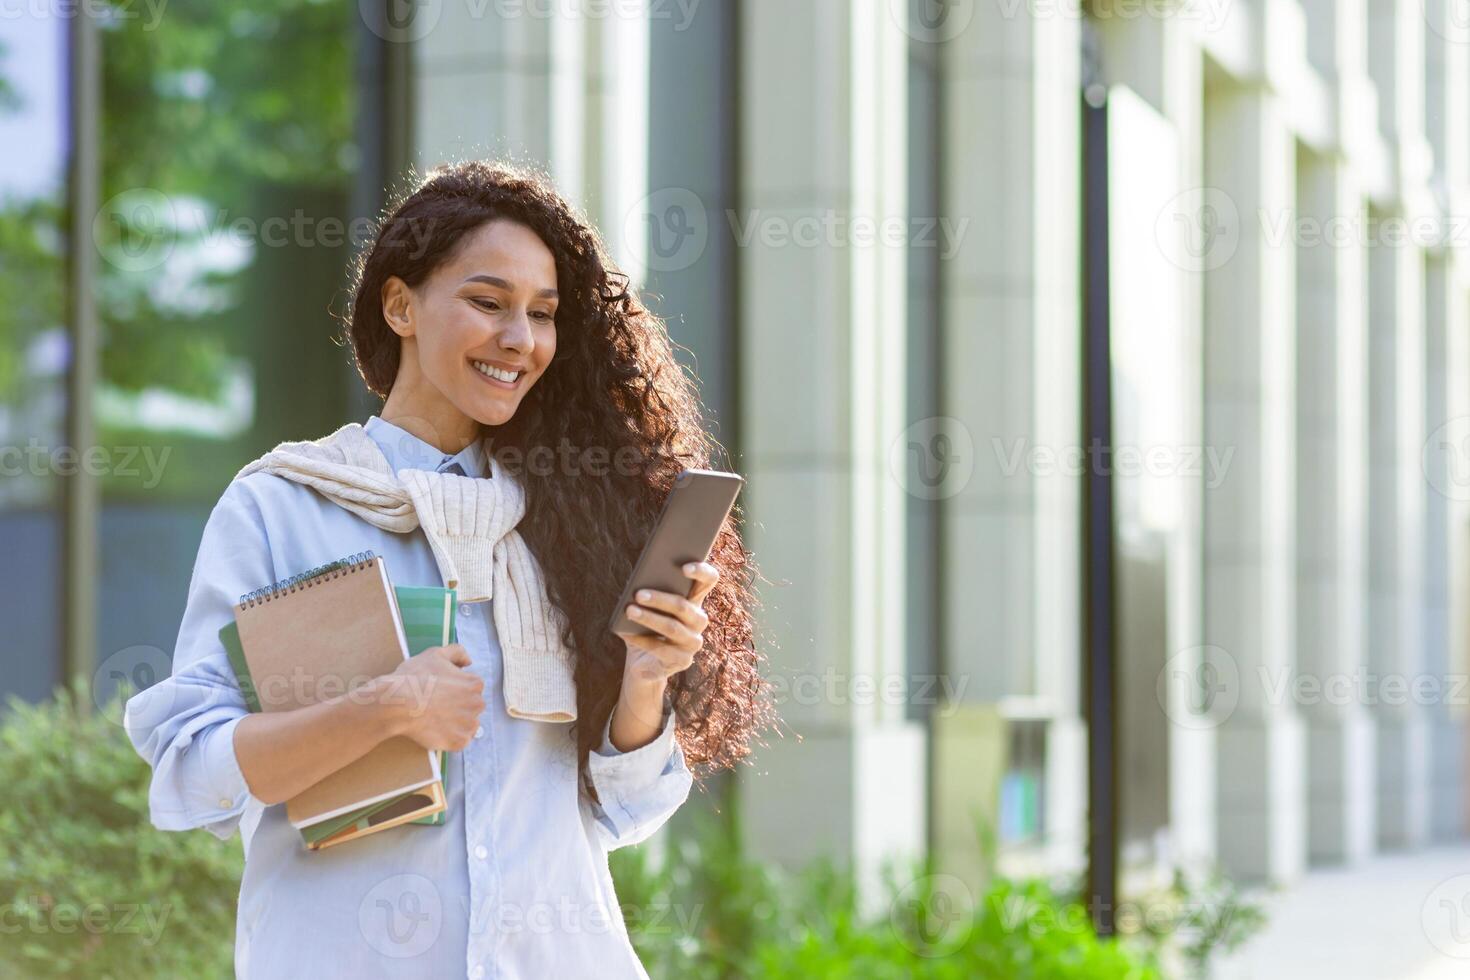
(464, 608)
(481, 853)
(480, 732)
(477, 972)
(225, 802)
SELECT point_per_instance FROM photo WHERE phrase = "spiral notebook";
(428, 621)
(316, 636)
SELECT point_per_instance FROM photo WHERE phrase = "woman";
(515, 366)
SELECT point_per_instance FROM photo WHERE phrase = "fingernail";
(690, 568)
(644, 595)
(634, 611)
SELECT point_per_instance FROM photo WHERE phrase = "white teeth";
(496, 372)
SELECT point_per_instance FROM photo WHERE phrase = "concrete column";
(1332, 474)
(1396, 432)
(823, 155)
(1011, 576)
(1447, 121)
(545, 86)
(1159, 59)
(1332, 445)
(1249, 560)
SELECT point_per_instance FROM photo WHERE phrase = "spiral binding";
(306, 579)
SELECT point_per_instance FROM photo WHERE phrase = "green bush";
(706, 911)
(88, 888)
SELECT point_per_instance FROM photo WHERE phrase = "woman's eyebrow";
(502, 284)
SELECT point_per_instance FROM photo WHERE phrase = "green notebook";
(428, 621)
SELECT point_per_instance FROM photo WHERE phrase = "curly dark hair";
(613, 383)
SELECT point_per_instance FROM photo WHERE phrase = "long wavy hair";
(614, 386)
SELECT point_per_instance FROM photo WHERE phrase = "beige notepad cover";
(317, 640)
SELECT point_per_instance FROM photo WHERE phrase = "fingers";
(705, 576)
(668, 626)
(686, 611)
(457, 655)
(672, 658)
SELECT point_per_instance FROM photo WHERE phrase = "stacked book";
(318, 635)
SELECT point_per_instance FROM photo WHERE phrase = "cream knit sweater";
(470, 524)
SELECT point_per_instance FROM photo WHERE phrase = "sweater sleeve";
(638, 790)
(184, 726)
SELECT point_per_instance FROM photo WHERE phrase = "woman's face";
(481, 329)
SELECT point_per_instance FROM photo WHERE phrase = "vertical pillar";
(1396, 434)
(557, 87)
(1011, 131)
(1249, 559)
(1447, 119)
(1332, 445)
(823, 147)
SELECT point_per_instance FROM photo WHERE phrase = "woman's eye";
(543, 315)
(486, 304)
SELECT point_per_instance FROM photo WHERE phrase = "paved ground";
(1401, 917)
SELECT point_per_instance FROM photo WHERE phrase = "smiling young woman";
(525, 381)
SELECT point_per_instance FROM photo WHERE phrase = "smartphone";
(693, 514)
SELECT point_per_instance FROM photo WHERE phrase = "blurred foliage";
(704, 910)
(88, 888)
(215, 101)
(212, 107)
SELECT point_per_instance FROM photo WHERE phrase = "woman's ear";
(397, 301)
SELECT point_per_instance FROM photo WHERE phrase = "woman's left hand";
(678, 625)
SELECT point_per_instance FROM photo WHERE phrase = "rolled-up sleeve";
(184, 726)
(638, 790)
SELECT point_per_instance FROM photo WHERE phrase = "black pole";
(1099, 631)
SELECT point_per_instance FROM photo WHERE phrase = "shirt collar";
(406, 451)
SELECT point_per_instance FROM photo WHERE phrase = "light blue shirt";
(514, 884)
